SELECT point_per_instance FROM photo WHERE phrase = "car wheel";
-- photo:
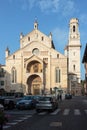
(56, 106)
(38, 110)
(11, 105)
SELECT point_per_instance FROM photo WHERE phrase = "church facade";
(37, 67)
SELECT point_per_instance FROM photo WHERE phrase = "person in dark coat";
(58, 97)
(3, 119)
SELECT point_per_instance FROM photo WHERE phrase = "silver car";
(47, 103)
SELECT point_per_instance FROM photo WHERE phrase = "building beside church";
(84, 61)
(37, 67)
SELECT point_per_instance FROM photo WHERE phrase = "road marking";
(55, 112)
(6, 126)
(77, 112)
(24, 118)
(66, 112)
(19, 120)
(42, 113)
(56, 124)
(11, 123)
(29, 115)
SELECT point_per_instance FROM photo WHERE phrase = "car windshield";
(27, 97)
(45, 99)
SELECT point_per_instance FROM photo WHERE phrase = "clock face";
(35, 51)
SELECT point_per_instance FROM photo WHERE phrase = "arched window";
(35, 67)
(74, 67)
(42, 38)
(13, 75)
(58, 75)
(74, 28)
(28, 38)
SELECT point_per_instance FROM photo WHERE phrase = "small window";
(28, 38)
(58, 75)
(73, 28)
(74, 67)
(13, 56)
(2, 83)
(2, 72)
(57, 55)
(14, 75)
(42, 38)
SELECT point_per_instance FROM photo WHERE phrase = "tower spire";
(36, 24)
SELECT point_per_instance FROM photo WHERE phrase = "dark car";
(8, 102)
(1, 107)
(48, 102)
(68, 96)
(27, 102)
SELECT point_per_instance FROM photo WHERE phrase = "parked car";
(47, 103)
(27, 102)
(2, 100)
(68, 96)
(1, 107)
(9, 102)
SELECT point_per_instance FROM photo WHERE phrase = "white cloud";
(64, 7)
(31, 3)
(44, 5)
(49, 5)
(27, 4)
(68, 7)
(23, 5)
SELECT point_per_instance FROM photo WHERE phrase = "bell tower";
(36, 24)
(74, 35)
(73, 48)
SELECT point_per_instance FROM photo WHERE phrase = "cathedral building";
(37, 67)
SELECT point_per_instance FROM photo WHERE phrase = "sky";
(18, 16)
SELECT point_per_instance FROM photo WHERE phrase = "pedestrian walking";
(60, 97)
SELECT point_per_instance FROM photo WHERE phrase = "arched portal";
(34, 84)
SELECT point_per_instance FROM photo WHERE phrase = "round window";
(35, 51)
